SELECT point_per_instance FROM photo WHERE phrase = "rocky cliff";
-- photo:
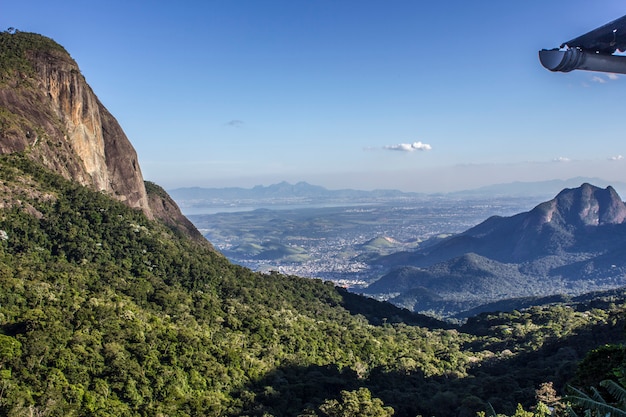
(586, 205)
(48, 111)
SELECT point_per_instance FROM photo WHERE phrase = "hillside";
(105, 312)
(571, 244)
(111, 308)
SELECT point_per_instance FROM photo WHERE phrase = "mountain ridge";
(570, 244)
(543, 230)
(279, 194)
(302, 192)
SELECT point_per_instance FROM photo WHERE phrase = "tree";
(356, 404)
(546, 395)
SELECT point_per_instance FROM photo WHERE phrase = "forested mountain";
(105, 312)
(109, 308)
(572, 244)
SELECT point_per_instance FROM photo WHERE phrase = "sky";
(425, 96)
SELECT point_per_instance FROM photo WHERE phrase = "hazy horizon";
(456, 181)
(518, 187)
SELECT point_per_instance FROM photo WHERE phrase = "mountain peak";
(571, 244)
(551, 228)
(50, 114)
(586, 205)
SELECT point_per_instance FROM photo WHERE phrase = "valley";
(446, 256)
(334, 243)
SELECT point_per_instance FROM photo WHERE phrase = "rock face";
(166, 210)
(586, 205)
(49, 112)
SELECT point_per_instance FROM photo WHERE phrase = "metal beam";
(577, 59)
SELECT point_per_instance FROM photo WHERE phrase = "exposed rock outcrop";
(590, 206)
(48, 111)
(51, 111)
(166, 209)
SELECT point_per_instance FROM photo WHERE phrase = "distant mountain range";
(571, 244)
(285, 193)
(538, 188)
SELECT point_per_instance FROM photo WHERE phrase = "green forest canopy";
(105, 313)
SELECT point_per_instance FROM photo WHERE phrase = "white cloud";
(616, 158)
(601, 79)
(561, 159)
(409, 147)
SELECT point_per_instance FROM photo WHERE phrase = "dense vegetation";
(105, 313)
(14, 49)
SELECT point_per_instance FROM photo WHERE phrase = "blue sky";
(413, 95)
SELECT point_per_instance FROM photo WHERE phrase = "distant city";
(313, 232)
(332, 243)
(309, 231)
